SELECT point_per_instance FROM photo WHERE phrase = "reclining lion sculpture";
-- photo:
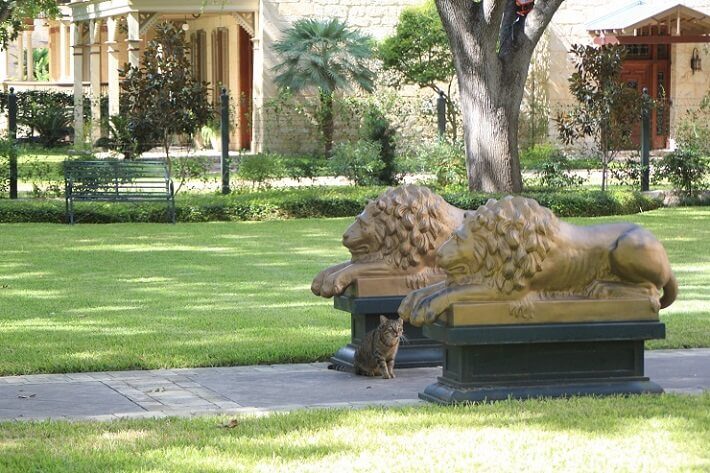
(516, 250)
(397, 234)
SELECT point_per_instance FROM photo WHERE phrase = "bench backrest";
(117, 180)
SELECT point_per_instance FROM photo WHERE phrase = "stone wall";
(376, 18)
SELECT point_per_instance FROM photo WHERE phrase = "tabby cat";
(375, 356)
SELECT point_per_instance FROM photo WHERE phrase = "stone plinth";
(415, 351)
(600, 351)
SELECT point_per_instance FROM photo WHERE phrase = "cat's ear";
(400, 321)
(383, 319)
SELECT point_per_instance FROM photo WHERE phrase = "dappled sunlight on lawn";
(639, 434)
(142, 289)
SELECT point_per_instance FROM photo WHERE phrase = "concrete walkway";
(187, 392)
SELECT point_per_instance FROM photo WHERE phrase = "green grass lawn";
(126, 296)
(638, 434)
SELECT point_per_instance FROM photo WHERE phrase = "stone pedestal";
(417, 351)
(489, 362)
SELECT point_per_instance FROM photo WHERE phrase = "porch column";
(134, 39)
(63, 51)
(113, 88)
(30, 56)
(95, 77)
(257, 114)
(75, 37)
(20, 57)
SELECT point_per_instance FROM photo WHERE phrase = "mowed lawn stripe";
(129, 296)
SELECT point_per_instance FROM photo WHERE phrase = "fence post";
(224, 162)
(645, 138)
(441, 114)
(12, 137)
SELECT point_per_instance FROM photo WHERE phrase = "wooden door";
(246, 80)
(650, 69)
(637, 75)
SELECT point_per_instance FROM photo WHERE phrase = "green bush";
(447, 161)
(311, 202)
(686, 169)
(189, 169)
(7, 148)
(556, 173)
(47, 178)
(694, 128)
(48, 113)
(377, 128)
(627, 172)
(359, 161)
(261, 168)
(581, 203)
(304, 167)
(535, 156)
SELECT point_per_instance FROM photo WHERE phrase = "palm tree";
(325, 55)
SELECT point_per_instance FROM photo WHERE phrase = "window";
(198, 55)
(638, 51)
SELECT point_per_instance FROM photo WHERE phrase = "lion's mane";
(410, 222)
(511, 237)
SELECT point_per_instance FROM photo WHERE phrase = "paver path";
(184, 392)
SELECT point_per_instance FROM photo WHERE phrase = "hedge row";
(302, 203)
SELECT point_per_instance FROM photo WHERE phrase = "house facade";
(231, 47)
(661, 37)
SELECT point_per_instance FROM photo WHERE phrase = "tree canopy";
(325, 55)
(607, 109)
(418, 52)
(14, 12)
(162, 99)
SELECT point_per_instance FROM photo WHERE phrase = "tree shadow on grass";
(307, 437)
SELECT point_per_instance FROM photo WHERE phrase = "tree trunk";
(327, 124)
(491, 137)
(492, 53)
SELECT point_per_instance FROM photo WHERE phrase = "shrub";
(534, 156)
(48, 113)
(359, 161)
(261, 168)
(126, 137)
(556, 173)
(313, 202)
(304, 167)
(191, 169)
(628, 172)
(6, 150)
(162, 97)
(447, 161)
(47, 178)
(378, 129)
(694, 128)
(686, 169)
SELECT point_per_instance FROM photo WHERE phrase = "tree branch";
(538, 19)
(493, 11)
(516, 50)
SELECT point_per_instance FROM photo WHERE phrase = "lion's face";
(458, 256)
(361, 238)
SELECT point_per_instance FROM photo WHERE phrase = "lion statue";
(396, 235)
(516, 250)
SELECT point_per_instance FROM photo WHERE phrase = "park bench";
(118, 181)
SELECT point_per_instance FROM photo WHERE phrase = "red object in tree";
(523, 7)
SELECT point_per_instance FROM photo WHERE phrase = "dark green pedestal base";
(418, 351)
(490, 363)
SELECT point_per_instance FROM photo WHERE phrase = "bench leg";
(71, 211)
